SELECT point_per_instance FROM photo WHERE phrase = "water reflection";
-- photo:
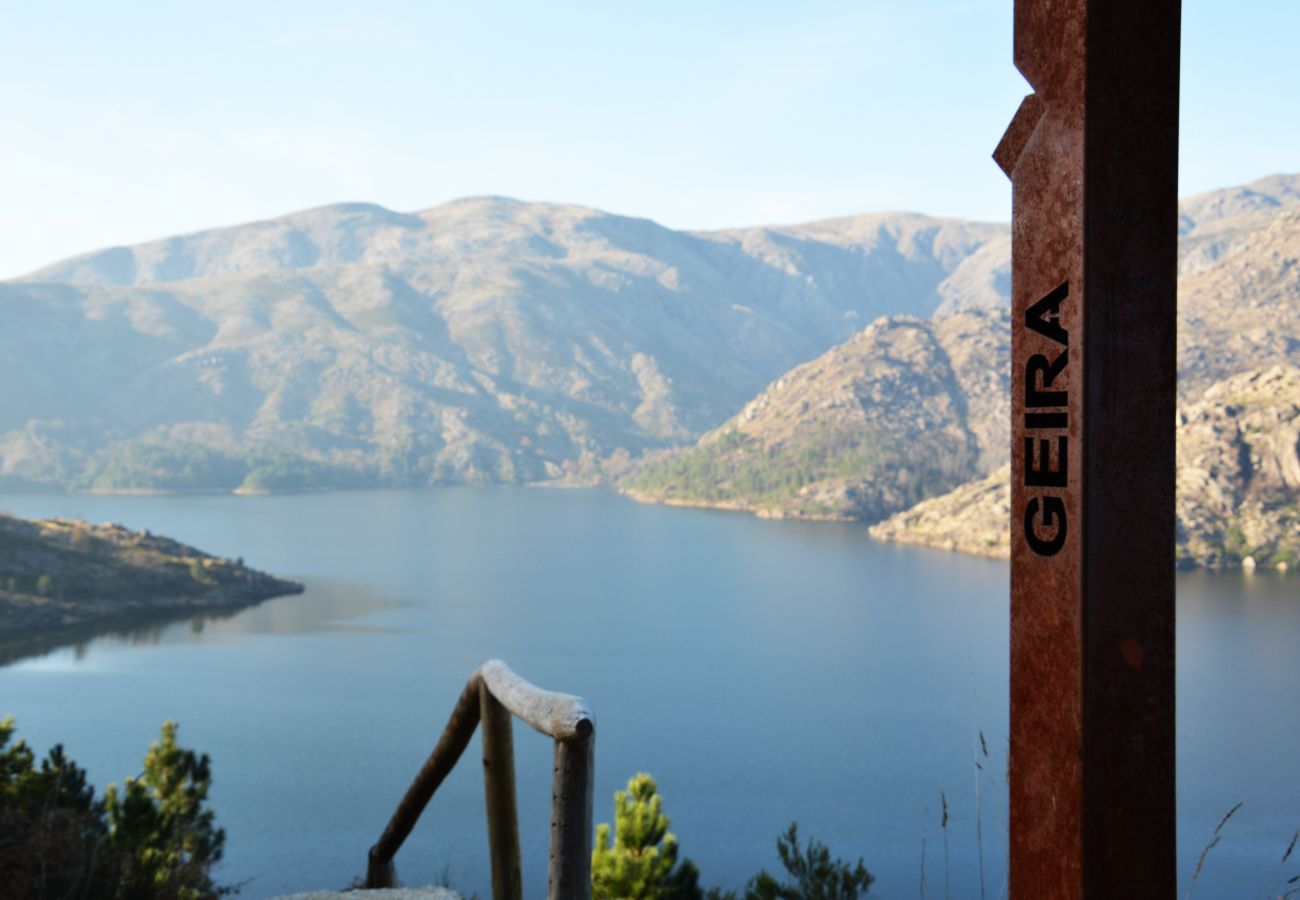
(325, 606)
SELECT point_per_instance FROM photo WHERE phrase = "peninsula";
(57, 574)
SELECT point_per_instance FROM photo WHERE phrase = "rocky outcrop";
(405, 893)
(1243, 312)
(1239, 472)
(975, 518)
(1238, 484)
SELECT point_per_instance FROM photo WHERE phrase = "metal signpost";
(1092, 155)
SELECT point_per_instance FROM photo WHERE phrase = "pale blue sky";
(128, 121)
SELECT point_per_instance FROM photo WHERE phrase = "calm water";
(761, 671)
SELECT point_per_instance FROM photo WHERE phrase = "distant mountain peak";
(1209, 208)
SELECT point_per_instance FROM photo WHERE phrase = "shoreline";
(58, 573)
(24, 643)
(21, 620)
(732, 507)
(998, 551)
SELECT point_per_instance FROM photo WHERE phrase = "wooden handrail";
(491, 695)
(560, 716)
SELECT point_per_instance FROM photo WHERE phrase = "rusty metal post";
(1092, 155)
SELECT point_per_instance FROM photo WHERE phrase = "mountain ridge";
(483, 340)
(490, 339)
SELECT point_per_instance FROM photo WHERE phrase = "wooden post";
(455, 737)
(1093, 159)
(499, 786)
(493, 694)
(569, 875)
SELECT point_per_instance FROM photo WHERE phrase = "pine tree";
(152, 840)
(817, 876)
(161, 826)
(639, 865)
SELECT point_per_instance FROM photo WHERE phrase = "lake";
(762, 671)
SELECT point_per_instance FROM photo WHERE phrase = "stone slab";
(413, 893)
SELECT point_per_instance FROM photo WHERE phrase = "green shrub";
(641, 864)
(50, 825)
(816, 875)
(200, 574)
(638, 865)
(153, 840)
(1235, 543)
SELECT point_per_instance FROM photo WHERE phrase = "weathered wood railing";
(491, 695)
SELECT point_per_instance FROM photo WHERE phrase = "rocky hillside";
(906, 409)
(59, 573)
(1238, 483)
(974, 518)
(482, 340)
(1239, 471)
(1213, 224)
(1242, 311)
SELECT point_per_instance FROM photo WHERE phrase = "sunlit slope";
(906, 409)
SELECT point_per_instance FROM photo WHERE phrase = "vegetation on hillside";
(738, 468)
(168, 464)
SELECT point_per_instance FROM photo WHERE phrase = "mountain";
(906, 409)
(493, 340)
(910, 409)
(483, 340)
(1238, 483)
(1214, 223)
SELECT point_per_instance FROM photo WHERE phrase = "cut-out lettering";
(1040, 370)
(1039, 471)
(1052, 516)
(1044, 316)
(1046, 463)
